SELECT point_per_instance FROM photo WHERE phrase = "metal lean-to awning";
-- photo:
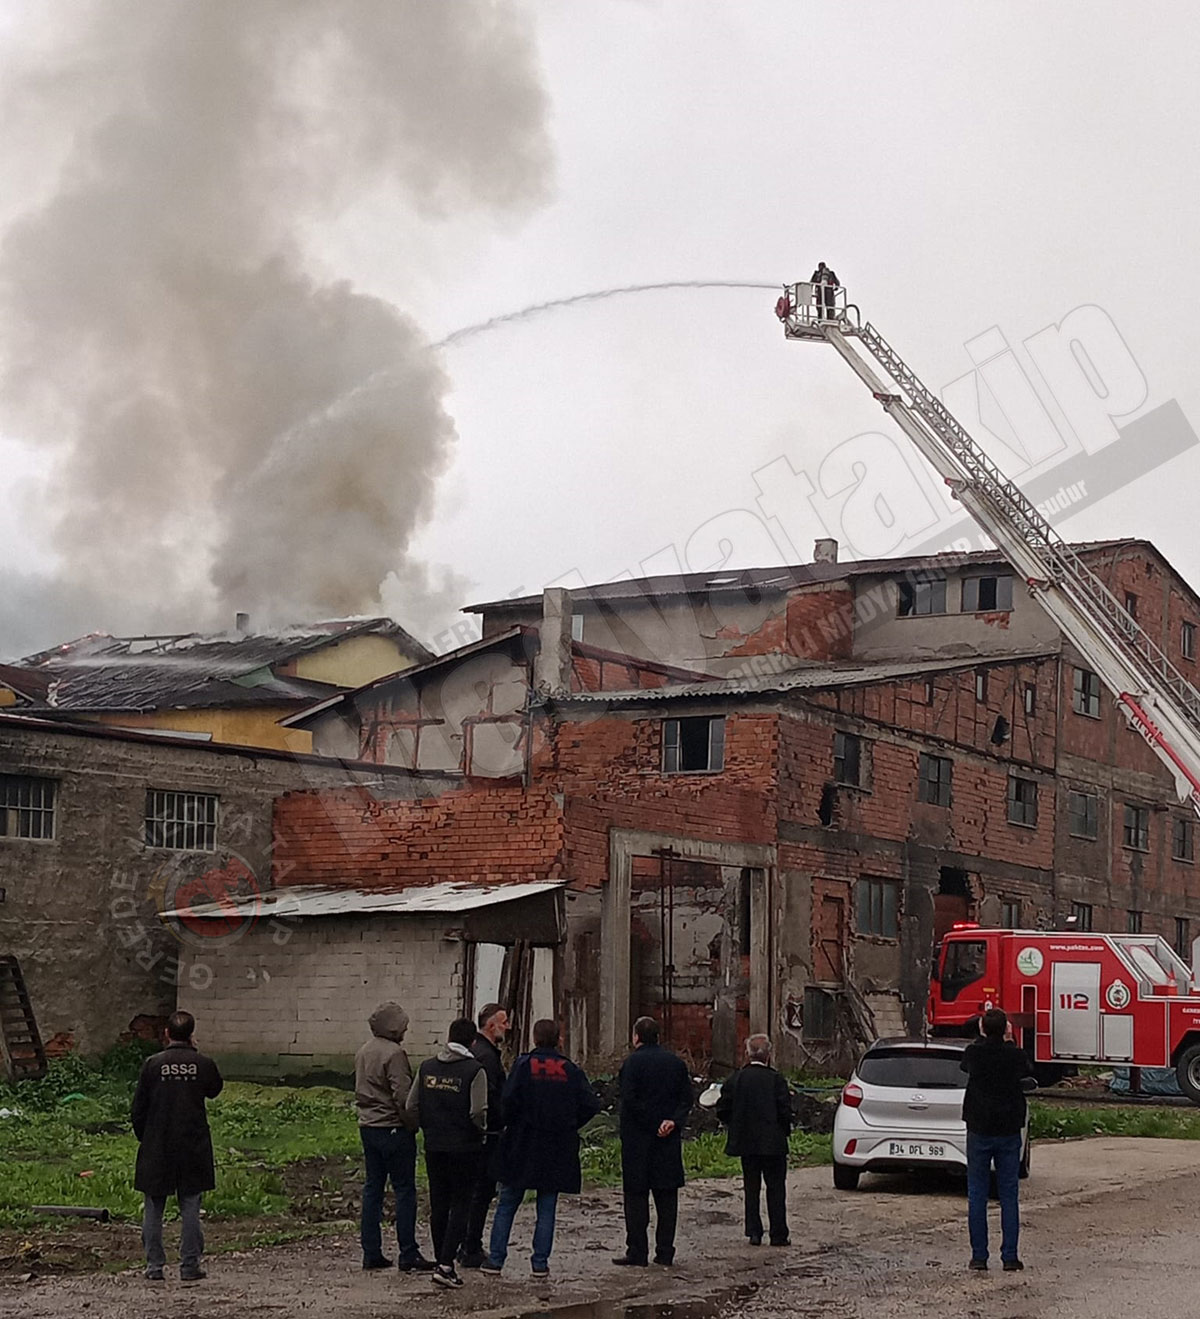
(328, 900)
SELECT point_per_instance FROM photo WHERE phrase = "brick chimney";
(825, 550)
(552, 668)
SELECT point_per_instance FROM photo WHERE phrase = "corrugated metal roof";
(326, 900)
(804, 678)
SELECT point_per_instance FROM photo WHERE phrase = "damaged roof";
(329, 900)
(182, 671)
(805, 677)
(772, 581)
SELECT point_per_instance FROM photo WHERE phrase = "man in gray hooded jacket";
(382, 1079)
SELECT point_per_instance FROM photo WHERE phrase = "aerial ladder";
(1156, 698)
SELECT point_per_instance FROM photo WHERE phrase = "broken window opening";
(694, 746)
(922, 597)
(953, 882)
(825, 808)
(819, 1015)
(987, 595)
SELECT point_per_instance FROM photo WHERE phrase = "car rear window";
(926, 1069)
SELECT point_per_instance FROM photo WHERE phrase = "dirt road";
(1104, 1220)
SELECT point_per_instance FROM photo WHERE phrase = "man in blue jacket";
(656, 1100)
(546, 1100)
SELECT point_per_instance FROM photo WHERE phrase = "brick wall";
(297, 1002)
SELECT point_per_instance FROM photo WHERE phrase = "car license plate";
(915, 1149)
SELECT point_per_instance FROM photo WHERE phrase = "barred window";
(181, 821)
(26, 806)
(1082, 912)
(1133, 922)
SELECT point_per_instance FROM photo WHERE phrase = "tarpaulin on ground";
(1155, 1081)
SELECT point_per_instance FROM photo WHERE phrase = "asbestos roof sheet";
(326, 900)
(812, 677)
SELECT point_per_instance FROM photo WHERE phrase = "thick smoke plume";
(163, 339)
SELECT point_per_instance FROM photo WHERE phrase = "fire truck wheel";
(845, 1178)
(1187, 1069)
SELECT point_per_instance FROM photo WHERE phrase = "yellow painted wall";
(7, 697)
(353, 662)
(255, 727)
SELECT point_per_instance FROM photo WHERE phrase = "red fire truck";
(1073, 998)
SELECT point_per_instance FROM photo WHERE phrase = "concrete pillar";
(552, 668)
(615, 1023)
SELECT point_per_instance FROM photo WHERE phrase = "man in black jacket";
(998, 1075)
(656, 1100)
(448, 1102)
(825, 283)
(756, 1107)
(546, 1101)
(175, 1154)
(493, 1026)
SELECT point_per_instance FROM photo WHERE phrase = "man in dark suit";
(656, 1099)
(175, 1153)
(756, 1107)
(546, 1101)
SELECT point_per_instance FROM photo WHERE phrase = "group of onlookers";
(485, 1131)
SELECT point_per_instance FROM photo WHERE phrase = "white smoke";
(163, 341)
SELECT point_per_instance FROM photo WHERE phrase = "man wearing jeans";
(547, 1099)
(382, 1079)
(998, 1075)
(175, 1154)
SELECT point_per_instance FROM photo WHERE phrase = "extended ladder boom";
(1158, 700)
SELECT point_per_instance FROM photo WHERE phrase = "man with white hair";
(756, 1108)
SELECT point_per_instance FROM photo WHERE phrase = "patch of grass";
(1055, 1121)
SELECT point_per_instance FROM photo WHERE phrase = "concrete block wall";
(295, 1000)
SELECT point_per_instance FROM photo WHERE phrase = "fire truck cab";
(1073, 998)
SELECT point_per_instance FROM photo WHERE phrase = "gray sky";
(962, 167)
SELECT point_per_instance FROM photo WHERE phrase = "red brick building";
(875, 750)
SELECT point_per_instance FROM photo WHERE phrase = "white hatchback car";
(901, 1111)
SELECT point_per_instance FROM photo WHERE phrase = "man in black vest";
(656, 1099)
(175, 1154)
(824, 283)
(493, 1026)
(756, 1107)
(998, 1075)
(448, 1102)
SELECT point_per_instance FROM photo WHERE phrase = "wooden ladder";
(22, 1057)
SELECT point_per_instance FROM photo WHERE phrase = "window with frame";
(1183, 937)
(1133, 922)
(1022, 801)
(1083, 814)
(922, 597)
(847, 758)
(934, 775)
(981, 685)
(1136, 834)
(1187, 640)
(1131, 605)
(819, 1016)
(27, 806)
(181, 821)
(694, 746)
(1010, 913)
(877, 906)
(1086, 696)
(987, 595)
(1183, 838)
(1082, 912)
(1029, 698)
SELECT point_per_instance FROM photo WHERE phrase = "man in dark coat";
(656, 1099)
(824, 283)
(998, 1075)
(448, 1102)
(546, 1101)
(756, 1108)
(175, 1154)
(493, 1026)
